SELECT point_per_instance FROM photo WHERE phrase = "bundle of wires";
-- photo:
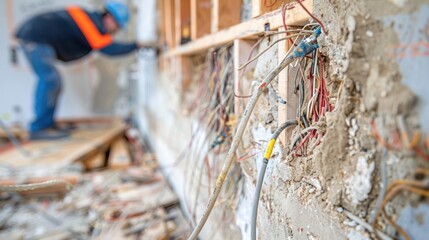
(213, 111)
(306, 46)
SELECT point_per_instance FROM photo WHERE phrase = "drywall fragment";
(359, 184)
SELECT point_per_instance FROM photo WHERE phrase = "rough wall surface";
(375, 57)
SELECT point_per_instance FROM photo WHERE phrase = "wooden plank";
(18, 132)
(286, 87)
(183, 20)
(97, 160)
(184, 67)
(200, 18)
(296, 16)
(86, 120)
(56, 189)
(162, 23)
(241, 53)
(170, 27)
(260, 7)
(82, 144)
(225, 14)
(119, 157)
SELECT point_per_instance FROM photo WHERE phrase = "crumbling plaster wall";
(375, 68)
(365, 65)
(369, 82)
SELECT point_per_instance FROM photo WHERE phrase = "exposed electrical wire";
(416, 187)
(267, 157)
(367, 226)
(284, 8)
(270, 46)
(306, 46)
(312, 16)
(383, 174)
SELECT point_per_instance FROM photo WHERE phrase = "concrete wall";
(375, 60)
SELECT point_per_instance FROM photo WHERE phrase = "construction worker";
(67, 35)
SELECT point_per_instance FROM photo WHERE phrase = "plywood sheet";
(84, 142)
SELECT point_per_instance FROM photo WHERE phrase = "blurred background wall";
(96, 85)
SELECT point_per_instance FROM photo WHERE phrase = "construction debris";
(125, 200)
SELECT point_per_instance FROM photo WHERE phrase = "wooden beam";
(120, 157)
(260, 7)
(296, 16)
(162, 23)
(242, 50)
(200, 18)
(225, 14)
(183, 20)
(286, 85)
(16, 131)
(183, 67)
(73, 179)
(170, 27)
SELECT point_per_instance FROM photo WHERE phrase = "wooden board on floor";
(84, 143)
(18, 132)
(119, 157)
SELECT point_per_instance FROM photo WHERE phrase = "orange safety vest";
(95, 39)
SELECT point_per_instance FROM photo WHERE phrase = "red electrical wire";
(301, 144)
(312, 16)
(247, 156)
(284, 8)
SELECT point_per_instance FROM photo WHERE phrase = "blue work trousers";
(42, 58)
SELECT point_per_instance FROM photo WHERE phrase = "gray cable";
(367, 226)
(306, 46)
(261, 175)
(256, 198)
(383, 173)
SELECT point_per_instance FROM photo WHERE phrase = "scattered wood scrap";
(120, 200)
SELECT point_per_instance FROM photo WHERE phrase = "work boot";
(48, 134)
